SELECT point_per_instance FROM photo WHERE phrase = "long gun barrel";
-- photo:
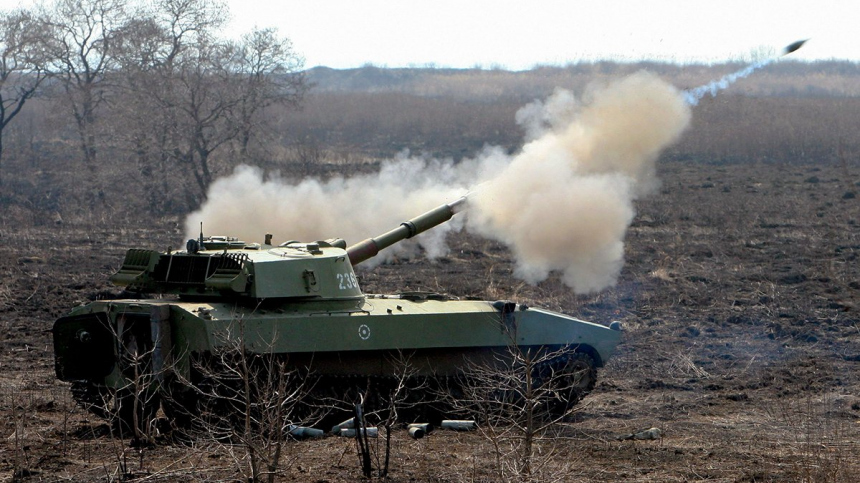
(370, 248)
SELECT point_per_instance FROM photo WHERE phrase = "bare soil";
(741, 306)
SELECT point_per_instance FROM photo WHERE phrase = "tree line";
(149, 83)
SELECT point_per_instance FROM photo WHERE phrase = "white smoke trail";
(693, 96)
(562, 204)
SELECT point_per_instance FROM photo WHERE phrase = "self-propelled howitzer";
(299, 302)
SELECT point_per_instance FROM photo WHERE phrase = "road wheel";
(566, 380)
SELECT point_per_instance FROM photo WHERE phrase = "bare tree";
(268, 73)
(163, 113)
(21, 67)
(81, 57)
(145, 47)
(190, 95)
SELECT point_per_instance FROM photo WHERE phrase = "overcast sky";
(522, 34)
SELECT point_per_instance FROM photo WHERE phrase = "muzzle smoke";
(562, 204)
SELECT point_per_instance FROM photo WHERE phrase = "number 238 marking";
(346, 281)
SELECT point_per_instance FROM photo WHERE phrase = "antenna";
(201, 233)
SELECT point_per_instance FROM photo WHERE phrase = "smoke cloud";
(562, 204)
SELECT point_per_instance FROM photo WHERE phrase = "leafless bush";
(23, 407)
(389, 400)
(245, 403)
(130, 407)
(818, 446)
(519, 398)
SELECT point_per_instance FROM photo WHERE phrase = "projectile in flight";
(794, 46)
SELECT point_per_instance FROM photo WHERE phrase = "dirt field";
(741, 305)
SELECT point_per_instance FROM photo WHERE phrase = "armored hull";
(438, 332)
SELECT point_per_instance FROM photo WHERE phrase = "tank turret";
(220, 266)
(291, 270)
